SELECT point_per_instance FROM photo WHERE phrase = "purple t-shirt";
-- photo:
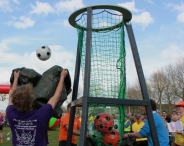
(29, 129)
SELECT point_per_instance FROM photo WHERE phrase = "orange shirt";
(63, 132)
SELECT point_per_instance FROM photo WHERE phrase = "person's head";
(180, 107)
(174, 113)
(22, 98)
(137, 118)
(153, 105)
(68, 107)
(142, 117)
(143, 109)
(131, 116)
(164, 113)
(127, 117)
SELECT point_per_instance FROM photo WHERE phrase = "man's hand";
(87, 136)
(16, 74)
(126, 135)
(64, 73)
(179, 132)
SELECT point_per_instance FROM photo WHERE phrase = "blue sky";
(26, 25)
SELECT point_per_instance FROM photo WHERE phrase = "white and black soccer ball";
(43, 53)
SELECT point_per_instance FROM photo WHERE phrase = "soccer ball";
(104, 122)
(43, 53)
(93, 133)
(53, 123)
(112, 138)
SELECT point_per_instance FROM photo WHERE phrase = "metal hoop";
(127, 16)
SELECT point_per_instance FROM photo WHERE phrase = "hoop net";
(107, 78)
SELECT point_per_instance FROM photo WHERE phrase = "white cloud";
(144, 19)
(180, 9)
(23, 22)
(172, 52)
(150, 1)
(5, 6)
(42, 8)
(180, 17)
(60, 56)
(66, 23)
(3, 47)
(130, 6)
(16, 1)
(69, 5)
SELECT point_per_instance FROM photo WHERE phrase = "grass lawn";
(53, 137)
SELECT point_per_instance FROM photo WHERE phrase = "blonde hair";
(138, 118)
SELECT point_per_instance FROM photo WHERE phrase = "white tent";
(3, 105)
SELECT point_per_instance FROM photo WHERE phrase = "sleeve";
(9, 110)
(65, 120)
(46, 112)
(145, 130)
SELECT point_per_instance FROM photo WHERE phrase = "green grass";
(53, 137)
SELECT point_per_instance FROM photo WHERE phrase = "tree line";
(165, 86)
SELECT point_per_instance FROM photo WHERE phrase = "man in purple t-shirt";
(1, 128)
(29, 126)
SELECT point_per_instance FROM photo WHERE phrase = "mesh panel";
(107, 76)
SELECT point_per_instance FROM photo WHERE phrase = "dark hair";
(153, 105)
(22, 98)
(69, 105)
(164, 111)
(175, 112)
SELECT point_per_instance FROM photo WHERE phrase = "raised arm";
(14, 86)
(54, 99)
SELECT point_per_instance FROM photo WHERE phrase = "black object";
(44, 86)
(130, 141)
(26, 76)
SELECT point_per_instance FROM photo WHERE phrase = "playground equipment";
(101, 57)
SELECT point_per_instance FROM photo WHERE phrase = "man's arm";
(54, 99)
(135, 135)
(175, 118)
(14, 86)
(75, 132)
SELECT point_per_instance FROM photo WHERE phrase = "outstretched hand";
(16, 74)
(64, 73)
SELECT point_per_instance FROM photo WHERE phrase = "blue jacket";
(162, 133)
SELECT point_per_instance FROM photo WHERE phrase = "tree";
(170, 87)
(179, 78)
(157, 84)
